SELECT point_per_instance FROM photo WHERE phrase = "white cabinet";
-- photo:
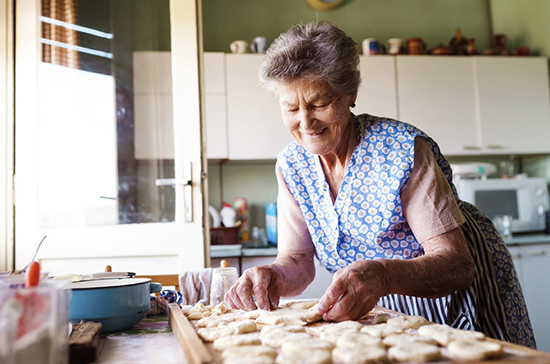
(514, 104)
(437, 95)
(377, 93)
(215, 105)
(532, 264)
(255, 126)
(477, 105)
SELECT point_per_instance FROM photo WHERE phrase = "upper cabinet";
(514, 104)
(437, 95)
(477, 105)
(469, 105)
(255, 126)
(377, 93)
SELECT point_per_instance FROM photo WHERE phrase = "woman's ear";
(352, 100)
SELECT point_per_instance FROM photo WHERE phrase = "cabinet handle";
(470, 147)
(494, 146)
(536, 253)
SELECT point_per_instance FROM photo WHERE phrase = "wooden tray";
(198, 352)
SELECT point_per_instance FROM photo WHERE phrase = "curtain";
(65, 11)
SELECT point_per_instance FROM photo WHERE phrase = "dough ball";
(313, 343)
(232, 341)
(210, 334)
(289, 316)
(277, 338)
(419, 352)
(408, 322)
(381, 318)
(248, 351)
(397, 339)
(474, 349)
(381, 330)
(290, 328)
(306, 357)
(445, 334)
(354, 339)
(249, 360)
(341, 327)
(360, 355)
(214, 321)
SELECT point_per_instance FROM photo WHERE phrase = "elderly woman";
(372, 198)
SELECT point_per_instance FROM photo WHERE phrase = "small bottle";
(228, 215)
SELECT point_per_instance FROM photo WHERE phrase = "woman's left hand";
(354, 291)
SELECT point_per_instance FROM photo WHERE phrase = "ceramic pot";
(118, 304)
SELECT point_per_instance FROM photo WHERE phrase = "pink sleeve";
(292, 233)
(429, 206)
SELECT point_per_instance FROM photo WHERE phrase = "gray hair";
(315, 50)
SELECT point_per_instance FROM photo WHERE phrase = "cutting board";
(198, 352)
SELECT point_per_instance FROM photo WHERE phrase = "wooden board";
(199, 352)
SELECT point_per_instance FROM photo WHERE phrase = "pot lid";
(108, 283)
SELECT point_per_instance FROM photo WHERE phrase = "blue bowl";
(118, 304)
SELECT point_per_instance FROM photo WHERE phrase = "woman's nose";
(306, 119)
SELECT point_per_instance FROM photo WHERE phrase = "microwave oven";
(526, 199)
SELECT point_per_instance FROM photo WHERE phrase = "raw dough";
(381, 330)
(354, 339)
(419, 352)
(306, 357)
(233, 328)
(444, 334)
(300, 305)
(248, 351)
(263, 359)
(474, 349)
(341, 327)
(215, 321)
(408, 322)
(231, 341)
(290, 328)
(289, 316)
(397, 339)
(359, 355)
(277, 338)
(381, 318)
(291, 347)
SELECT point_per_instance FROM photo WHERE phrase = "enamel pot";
(118, 304)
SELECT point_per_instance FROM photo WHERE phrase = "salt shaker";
(223, 278)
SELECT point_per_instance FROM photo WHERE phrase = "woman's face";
(317, 117)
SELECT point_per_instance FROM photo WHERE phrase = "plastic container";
(241, 205)
(228, 215)
(34, 322)
(271, 222)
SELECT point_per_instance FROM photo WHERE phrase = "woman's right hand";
(262, 283)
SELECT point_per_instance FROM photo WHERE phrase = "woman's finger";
(261, 286)
(331, 296)
(245, 294)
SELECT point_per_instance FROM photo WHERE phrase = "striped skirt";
(493, 304)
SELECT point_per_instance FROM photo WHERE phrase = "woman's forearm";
(295, 273)
(447, 266)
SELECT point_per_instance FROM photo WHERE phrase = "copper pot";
(416, 46)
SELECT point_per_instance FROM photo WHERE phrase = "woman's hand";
(354, 291)
(288, 276)
(260, 282)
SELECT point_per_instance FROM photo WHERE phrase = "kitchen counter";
(520, 239)
(238, 250)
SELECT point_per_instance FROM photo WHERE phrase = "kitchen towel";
(195, 286)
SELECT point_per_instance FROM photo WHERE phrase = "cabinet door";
(536, 289)
(377, 94)
(437, 95)
(255, 126)
(514, 104)
(215, 111)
